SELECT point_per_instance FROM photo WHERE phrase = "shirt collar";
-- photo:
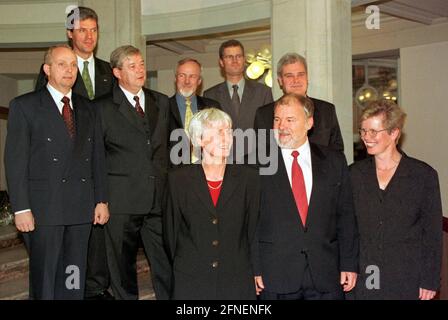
(240, 84)
(57, 95)
(130, 96)
(81, 60)
(304, 150)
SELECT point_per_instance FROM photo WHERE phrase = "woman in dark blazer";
(211, 216)
(399, 213)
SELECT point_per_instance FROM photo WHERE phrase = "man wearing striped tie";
(185, 103)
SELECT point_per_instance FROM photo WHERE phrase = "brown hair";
(228, 44)
(393, 115)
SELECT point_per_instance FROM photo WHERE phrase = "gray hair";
(202, 120)
(290, 58)
(118, 55)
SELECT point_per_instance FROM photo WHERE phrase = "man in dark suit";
(306, 245)
(292, 73)
(237, 96)
(94, 80)
(54, 162)
(135, 131)
(185, 103)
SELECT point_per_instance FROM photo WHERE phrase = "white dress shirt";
(304, 159)
(91, 68)
(57, 97)
(130, 96)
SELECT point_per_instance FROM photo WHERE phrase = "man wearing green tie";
(186, 102)
(94, 75)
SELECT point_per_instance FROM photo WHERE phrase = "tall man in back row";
(237, 96)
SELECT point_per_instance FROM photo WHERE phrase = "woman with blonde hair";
(399, 213)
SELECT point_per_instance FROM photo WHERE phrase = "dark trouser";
(58, 258)
(307, 291)
(97, 277)
(123, 233)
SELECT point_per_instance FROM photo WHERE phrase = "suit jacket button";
(49, 139)
(55, 159)
(148, 142)
(215, 221)
(215, 264)
(89, 139)
(64, 180)
(215, 243)
(83, 180)
(87, 159)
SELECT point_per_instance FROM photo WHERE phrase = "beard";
(186, 93)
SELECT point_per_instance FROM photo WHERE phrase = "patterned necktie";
(87, 81)
(188, 113)
(298, 188)
(67, 114)
(236, 100)
(138, 107)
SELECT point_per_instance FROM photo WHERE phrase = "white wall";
(424, 92)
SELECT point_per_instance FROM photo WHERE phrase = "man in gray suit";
(237, 96)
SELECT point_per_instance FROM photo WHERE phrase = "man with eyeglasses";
(292, 73)
(185, 102)
(239, 97)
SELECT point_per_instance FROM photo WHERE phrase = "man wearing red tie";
(306, 245)
(54, 161)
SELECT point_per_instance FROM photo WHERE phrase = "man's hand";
(24, 221)
(259, 286)
(101, 213)
(426, 294)
(348, 280)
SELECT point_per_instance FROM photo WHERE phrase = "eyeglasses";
(372, 132)
(232, 57)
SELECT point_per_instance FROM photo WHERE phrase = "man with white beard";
(185, 103)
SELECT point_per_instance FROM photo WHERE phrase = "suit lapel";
(229, 185)
(174, 109)
(126, 109)
(320, 174)
(82, 124)
(102, 79)
(200, 188)
(247, 98)
(152, 111)
(51, 110)
(227, 106)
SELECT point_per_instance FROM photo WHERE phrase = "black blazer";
(328, 241)
(136, 151)
(325, 132)
(255, 95)
(176, 123)
(60, 180)
(400, 229)
(104, 81)
(210, 247)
